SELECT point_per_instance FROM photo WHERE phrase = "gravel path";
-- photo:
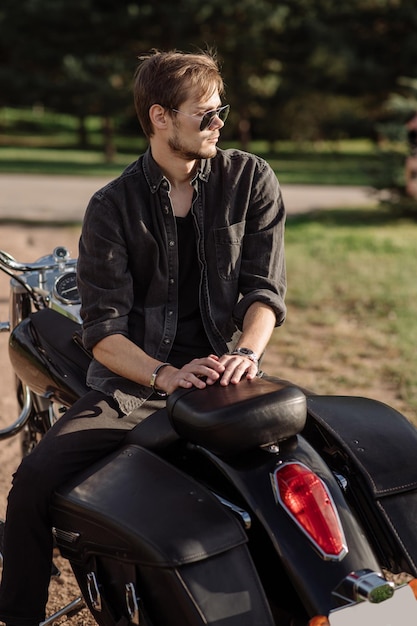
(64, 198)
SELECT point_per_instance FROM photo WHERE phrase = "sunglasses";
(208, 118)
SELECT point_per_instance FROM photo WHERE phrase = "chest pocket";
(228, 244)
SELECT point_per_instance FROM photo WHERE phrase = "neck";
(177, 170)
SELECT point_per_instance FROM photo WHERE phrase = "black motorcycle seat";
(153, 433)
(234, 419)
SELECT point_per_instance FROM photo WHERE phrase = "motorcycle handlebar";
(59, 259)
(60, 255)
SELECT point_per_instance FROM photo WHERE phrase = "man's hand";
(209, 368)
(237, 366)
(230, 368)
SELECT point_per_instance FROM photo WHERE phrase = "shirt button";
(167, 341)
(171, 243)
(166, 209)
(170, 312)
(171, 281)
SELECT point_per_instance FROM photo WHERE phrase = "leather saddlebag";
(145, 540)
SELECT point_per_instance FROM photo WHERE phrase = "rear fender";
(375, 448)
(248, 481)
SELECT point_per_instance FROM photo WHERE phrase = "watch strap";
(249, 354)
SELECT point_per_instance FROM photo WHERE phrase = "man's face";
(186, 139)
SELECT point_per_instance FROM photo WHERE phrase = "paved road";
(64, 198)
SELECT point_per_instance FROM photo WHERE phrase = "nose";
(216, 123)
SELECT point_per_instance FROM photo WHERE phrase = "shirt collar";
(152, 171)
(155, 177)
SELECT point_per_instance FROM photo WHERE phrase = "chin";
(209, 153)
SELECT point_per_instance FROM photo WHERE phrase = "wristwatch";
(249, 354)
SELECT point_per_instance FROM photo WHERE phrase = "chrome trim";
(68, 536)
(341, 481)
(239, 512)
(74, 606)
(94, 592)
(45, 263)
(272, 448)
(14, 428)
(365, 584)
(132, 603)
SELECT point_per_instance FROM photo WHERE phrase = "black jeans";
(92, 428)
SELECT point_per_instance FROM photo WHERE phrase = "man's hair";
(169, 78)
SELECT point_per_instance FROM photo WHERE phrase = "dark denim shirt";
(128, 262)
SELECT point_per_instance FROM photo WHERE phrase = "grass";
(53, 161)
(38, 142)
(305, 165)
(352, 306)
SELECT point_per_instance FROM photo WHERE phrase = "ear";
(158, 116)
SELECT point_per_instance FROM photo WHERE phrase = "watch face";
(246, 352)
(250, 354)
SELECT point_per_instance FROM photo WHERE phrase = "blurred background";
(301, 75)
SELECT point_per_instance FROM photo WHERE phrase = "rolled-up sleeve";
(104, 280)
(262, 275)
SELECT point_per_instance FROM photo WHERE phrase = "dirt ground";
(26, 244)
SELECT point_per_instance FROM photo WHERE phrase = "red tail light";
(306, 499)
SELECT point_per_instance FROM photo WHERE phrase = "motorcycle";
(254, 504)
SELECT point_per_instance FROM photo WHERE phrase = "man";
(182, 279)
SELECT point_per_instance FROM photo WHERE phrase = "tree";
(353, 50)
(297, 69)
(71, 57)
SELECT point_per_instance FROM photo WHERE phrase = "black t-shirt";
(191, 340)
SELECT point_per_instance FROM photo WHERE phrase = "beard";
(188, 153)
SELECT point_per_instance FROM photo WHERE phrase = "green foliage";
(294, 69)
(45, 142)
(388, 176)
